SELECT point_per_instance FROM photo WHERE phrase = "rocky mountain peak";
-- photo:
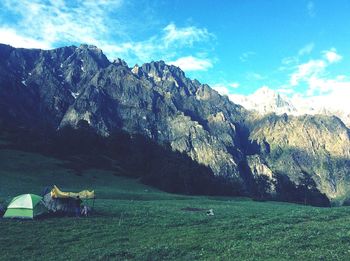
(166, 78)
(161, 71)
(90, 47)
(266, 91)
(272, 100)
(69, 85)
(91, 56)
(264, 101)
(120, 62)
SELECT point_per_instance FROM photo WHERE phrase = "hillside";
(307, 147)
(50, 92)
(136, 222)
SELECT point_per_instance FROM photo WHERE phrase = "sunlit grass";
(135, 222)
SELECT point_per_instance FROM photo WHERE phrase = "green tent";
(25, 206)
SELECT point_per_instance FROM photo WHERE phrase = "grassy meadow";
(136, 222)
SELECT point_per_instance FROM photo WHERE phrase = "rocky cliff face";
(307, 146)
(64, 86)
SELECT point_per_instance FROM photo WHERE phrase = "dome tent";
(27, 206)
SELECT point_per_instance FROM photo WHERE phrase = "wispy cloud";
(168, 46)
(312, 83)
(225, 88)
(190, 63)
(307, 49)
(187, 35)
(53, 23)
(307, 70)
(311, 9)
(293, 61)
(222, 89)
(246, 56)
(314, 74)
(234, 85)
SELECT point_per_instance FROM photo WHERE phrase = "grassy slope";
(136, 222)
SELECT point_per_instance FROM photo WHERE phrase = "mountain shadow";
(305, 193)
(131, 155)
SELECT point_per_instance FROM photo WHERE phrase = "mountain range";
(266, 100)
(285, 157)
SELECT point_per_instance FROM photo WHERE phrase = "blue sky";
(298, 47)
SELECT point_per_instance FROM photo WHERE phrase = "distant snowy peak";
(265, 101)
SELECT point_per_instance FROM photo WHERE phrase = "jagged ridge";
(68, 85)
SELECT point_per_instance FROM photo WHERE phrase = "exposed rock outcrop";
(316, 146)
(64, 86)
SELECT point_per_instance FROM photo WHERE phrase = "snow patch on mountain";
(266, 100)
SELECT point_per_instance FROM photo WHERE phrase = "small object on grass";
(210, 212)
(84, 211)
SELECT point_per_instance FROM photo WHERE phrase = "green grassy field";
(135, 222)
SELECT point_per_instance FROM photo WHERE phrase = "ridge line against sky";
(298, 47)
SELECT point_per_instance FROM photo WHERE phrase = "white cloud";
(327, 86)
(167, 46)
(225, 88)
(186, 35)
(290, 61)
(9, 36)
(222, 89)
(307, 70)
(323, 89)
(55, 21)
(314, 74)
(234, 85)
(336, 100)
(190, 63)
(285, 91)
(52, 23)
(307, 49)
(332, 56)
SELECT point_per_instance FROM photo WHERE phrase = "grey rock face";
(316, 146)
(260, 168)
(63, 86)
(70, 84)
